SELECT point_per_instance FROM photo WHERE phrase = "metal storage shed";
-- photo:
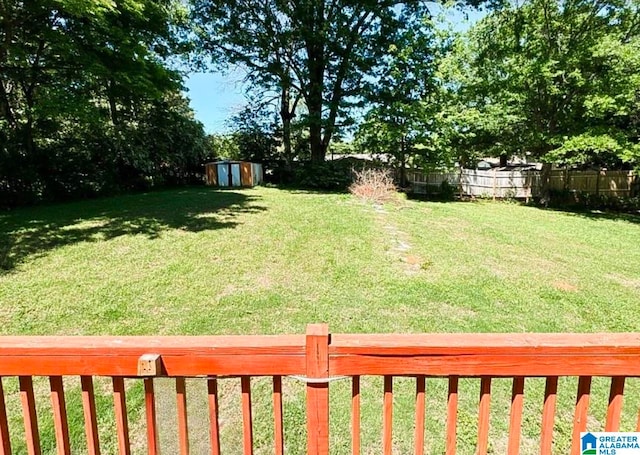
(233, 173)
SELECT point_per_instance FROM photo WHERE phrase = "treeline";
(554, 81)
(88, 105)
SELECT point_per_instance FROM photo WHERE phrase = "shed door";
(235, 174)
(246, 174)
(223, 174)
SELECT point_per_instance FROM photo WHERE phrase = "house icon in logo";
(588, 444)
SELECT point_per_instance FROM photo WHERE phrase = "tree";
(403, 102)
(557, 80)
(318, 50)
(79, 82)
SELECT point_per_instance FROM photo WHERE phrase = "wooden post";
(495, 183)
(317, 357)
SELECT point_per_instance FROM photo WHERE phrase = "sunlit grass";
(201, 261)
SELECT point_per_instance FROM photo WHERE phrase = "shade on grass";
(201, 261)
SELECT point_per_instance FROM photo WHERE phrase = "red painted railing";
(316, 358)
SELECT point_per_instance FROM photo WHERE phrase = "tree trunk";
(315, 47)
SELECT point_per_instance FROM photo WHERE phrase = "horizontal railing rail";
(316, 359)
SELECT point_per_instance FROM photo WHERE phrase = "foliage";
(547, 76)
(403, 102)
(373, 185)
(157, 263)
(87, 105)
(329, 175)
(317, 52)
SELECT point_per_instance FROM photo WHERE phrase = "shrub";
(331, 175)
(373, 185)
(447, 191)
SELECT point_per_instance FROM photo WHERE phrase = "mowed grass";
(203, 261)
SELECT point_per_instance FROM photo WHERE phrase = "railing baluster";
(29, 413)
(183, 428)
(5, 441)
(277, 415)
(515, 417)
(214, 426)
(615, 404)
(355, 415)
(59, 415)
(483, 415)
(420, 405)
(387, 417)
(247, 422)
(90, 419)
(548, 415)
(150, 411)
(120, 408)
(581, 413)
(452, 415)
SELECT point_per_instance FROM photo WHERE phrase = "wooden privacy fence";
(524, 184)
(317, 358)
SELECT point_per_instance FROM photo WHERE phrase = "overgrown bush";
(588, 201)
(373, 185)
(447, 191)
(330, 175)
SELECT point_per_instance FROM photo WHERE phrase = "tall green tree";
(319, 50)
(555, 79)
(79, 81)
(403, 101)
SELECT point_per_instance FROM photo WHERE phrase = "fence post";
(317, 358)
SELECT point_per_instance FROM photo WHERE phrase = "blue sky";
(215, 97)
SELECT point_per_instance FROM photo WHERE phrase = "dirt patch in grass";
(565, 286)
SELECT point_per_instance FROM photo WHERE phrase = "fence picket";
(548, 415)
(214, 426)
(247, 422)
(387, 416)
(59, 415)
(581, 413)
(420, 404)
(183, 422)
(355, 415)
(452, 416)
(5, 441)
(483, 415)
(515, 418)
(29, 413)
(615, 404)
(277, 415)
(150, 411)
(90, 418)
(122, 424)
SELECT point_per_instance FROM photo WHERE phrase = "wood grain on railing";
(320, 357)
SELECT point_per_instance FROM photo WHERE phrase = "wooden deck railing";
(315, 358)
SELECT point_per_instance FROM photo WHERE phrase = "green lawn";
(201, 261)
